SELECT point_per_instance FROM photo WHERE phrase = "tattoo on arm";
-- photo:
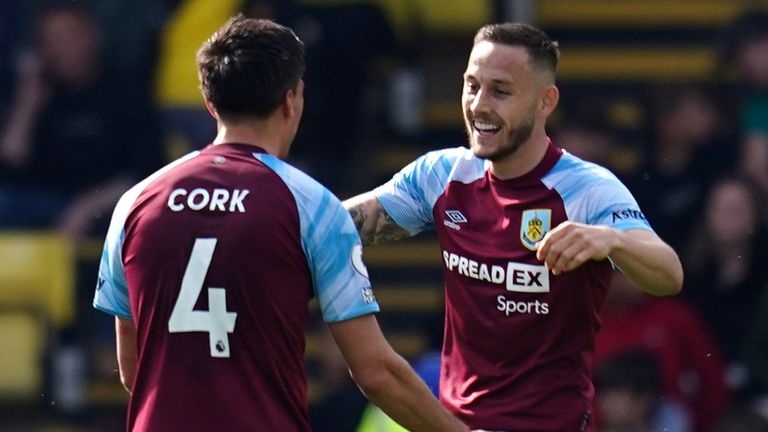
(373, 222)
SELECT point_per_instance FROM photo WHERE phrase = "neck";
(524, 159)
(257, 133)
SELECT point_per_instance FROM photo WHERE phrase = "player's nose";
(480, 103)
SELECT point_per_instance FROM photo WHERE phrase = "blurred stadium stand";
(611, 51)
(36, 302)
(37, 271)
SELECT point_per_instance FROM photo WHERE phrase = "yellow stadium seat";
(22, 345)
(37, 270)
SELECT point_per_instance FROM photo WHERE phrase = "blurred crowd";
(95, 95)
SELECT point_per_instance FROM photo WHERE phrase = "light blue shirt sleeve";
(613, 205)
(111, 288)
(332, 246)
(593, 195)
(410, 195)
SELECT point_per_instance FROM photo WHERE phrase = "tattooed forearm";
(386, 229)
(372, 221)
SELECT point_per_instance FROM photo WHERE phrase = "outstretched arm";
(372, 221)
(651, 264)
(387, 380)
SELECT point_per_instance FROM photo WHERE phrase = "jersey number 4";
(216, 321)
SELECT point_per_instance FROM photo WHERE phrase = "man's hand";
(651, 265)
(571, 244)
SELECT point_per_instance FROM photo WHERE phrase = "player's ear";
(549, 98)
(289, 105)
(292, 103)
(211, 109)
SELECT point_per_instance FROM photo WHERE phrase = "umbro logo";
(455, 218)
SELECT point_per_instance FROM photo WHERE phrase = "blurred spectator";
(587, 140)
(690, 146)
(690, 365)
(746, 49)
(726, 277)
(741, 420)
(9, 32)
(77, 134)
(628, 397)
(757, 359)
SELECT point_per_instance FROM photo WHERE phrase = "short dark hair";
(246, 67)
(543, 51)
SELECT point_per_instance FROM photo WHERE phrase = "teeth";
(485, 127)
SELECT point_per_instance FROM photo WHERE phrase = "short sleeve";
(332, 246)
(593, 195)
(410, 195)
(111, 287)
(613, 205)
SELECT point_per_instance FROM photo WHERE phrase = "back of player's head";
(543, 51)
(246, 67)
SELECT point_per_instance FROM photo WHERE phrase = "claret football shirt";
(517, 352)
(214, 258)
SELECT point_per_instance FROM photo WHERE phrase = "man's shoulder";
(133, 193)
(450, 155)
(456, 163)
(301, 184)
(573, 165)
(572, 172)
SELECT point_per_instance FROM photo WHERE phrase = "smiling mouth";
(485, 129)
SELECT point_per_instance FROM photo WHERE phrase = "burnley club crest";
(533, 226)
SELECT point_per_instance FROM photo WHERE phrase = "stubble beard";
(516, 138)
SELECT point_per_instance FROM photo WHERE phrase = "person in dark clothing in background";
(77, 133)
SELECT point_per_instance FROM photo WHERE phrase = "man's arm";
(32, 94)
(372, 221)
(126, 351)
(651, 265)
(80, 214)
(387, 379)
